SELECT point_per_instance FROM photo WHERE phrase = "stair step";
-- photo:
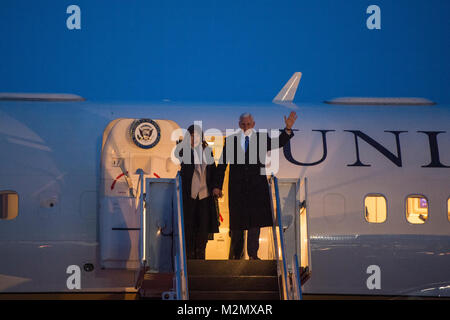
(233, 283)
(234, 295)
(233, 280)
(154, 284)
(232, 267)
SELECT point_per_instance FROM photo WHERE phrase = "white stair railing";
(290, 286)
(278, 239)
(180, 255)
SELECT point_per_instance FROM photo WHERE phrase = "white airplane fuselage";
(52, 150)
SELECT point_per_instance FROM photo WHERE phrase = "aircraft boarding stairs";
(165, 273)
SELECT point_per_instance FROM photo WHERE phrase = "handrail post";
(297, 286)
(278, 221)
(142, 236)
(142, 231)
(178, 281)
(274, 226)
(180, 257)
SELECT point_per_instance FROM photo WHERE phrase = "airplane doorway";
(129, 145)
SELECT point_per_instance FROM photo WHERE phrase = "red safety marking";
(115, 180)
(121, 175)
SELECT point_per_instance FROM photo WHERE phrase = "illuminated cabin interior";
(375, 208)
(417, 209)
(448, 209)
(9, 205)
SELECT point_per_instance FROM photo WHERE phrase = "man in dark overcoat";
(248, 191)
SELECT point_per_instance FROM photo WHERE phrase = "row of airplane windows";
(375, 207)
(417, 211)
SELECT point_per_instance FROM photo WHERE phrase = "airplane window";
(375, 209)
(448, 209)
(416, 209)
(9, 205)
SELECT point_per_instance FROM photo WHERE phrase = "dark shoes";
(240, 258)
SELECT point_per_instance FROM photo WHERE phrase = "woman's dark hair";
(194, 128)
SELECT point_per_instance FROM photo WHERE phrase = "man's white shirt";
(248, 133)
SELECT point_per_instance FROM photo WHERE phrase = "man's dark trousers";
(237, 243)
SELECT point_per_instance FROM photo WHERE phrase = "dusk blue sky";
(210, 50)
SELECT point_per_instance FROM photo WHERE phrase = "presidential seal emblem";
(145, 133)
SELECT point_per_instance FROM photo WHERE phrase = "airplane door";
(129, 145)
(293, 202)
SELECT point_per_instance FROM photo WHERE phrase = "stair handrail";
(296, 280)
(280, 256)
(141, 209)
(180, 255)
